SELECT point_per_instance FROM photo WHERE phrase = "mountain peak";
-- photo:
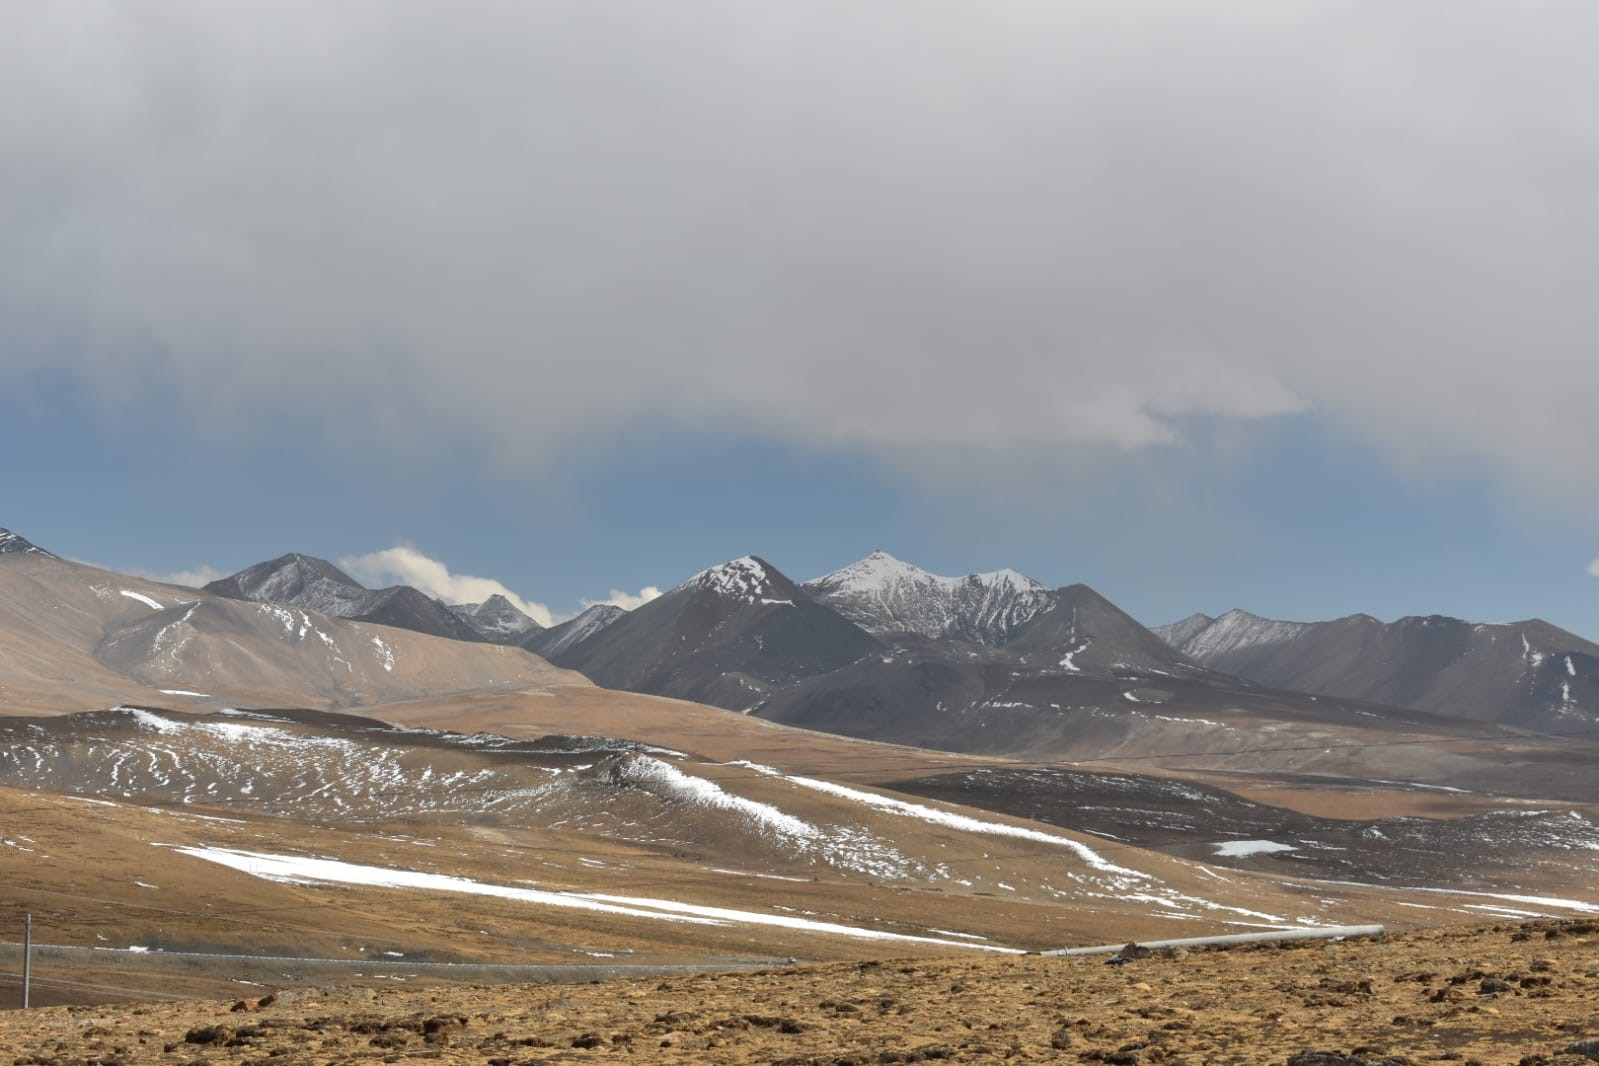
(1179, 633)
(563, 635)
(292, 578)
(497, 619)
(12, 544)
(747, 578)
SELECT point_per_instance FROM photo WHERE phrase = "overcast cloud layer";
(888, 226)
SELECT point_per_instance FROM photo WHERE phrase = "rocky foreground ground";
(1525, 993)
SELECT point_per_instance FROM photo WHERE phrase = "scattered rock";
(208, 1034)
(1336, 1058)
(1588, 1049)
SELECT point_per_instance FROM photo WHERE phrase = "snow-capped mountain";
(558, 638)
(743, 636)
(884, 595)
(1523, 673)
(497, 620)
(12, 544)
(729, 636)
(313, 584)
(743, 580)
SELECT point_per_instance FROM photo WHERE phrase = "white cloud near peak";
(626, 600)
(194, 577)
(1593, 568)
(405, 565)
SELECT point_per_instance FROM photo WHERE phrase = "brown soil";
(1488, 994)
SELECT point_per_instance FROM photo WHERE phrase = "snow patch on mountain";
(141, 598)
(11, 544)
(746, 578)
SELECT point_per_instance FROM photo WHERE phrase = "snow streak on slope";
(643, 769)
(967, 824)
(885, 595)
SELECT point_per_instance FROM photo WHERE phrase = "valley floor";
(1506, 993)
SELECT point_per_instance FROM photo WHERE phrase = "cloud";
(1019, 228)
(627, 600)
(195, 577)
(1593, 568)
(405, 565)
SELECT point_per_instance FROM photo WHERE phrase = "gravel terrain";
(1506, 993)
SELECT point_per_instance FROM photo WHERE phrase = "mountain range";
(986, 661)
(881, 649)
(302, 581)
(78, 637)
(1530, 673)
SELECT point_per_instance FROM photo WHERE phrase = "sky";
(1273, 305)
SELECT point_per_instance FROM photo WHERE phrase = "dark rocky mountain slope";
(1529, 674)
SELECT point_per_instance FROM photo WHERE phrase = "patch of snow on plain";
(1238, 849)
(154, 722)
(300, 869)
(142, 598)
(183, 692)
(304, 870)
(385, 652)
(1418, 784)
(765, 771)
